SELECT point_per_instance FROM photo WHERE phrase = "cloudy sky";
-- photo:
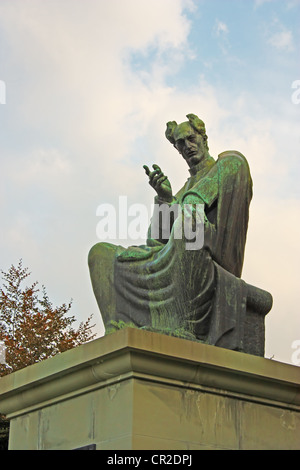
(87, 87)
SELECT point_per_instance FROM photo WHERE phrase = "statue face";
(189, 144)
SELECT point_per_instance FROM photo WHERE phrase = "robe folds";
(193, 293)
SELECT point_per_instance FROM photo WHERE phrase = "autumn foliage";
(31, 328)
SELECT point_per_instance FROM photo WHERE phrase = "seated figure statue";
(170, 287)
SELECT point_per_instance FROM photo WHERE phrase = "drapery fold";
(163, 285)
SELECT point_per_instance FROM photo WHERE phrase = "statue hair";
(196, 123)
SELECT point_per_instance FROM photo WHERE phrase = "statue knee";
(102, 253)
(93, 253)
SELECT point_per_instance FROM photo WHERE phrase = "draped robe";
(197, 294)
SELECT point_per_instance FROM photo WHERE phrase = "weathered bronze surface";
(192, 293)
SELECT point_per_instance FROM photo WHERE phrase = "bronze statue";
(197, 294)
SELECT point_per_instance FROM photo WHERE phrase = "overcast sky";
(89, 86)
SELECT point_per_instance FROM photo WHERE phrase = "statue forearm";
(164, 214)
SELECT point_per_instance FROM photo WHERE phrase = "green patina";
(164, 286)
(170, 331)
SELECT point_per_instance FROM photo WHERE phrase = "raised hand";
(159, 183)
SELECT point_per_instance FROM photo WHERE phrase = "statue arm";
(164, 214)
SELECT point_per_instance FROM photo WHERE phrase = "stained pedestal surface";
(141, 390)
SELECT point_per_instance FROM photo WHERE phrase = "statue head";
(189, 138)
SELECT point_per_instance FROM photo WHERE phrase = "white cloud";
(221, 32)
(293, 4)
(220, 28)
(258, 3)
(279, 36)
(283, 40)
(74, 111)
(77, 85)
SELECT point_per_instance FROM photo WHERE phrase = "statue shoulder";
(232, 160)
(232, 155)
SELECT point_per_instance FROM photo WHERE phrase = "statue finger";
(156, 167)
(153, 174)
(157, 177)
(146, 168)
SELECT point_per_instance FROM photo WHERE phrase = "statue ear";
(196, 123)
(171, 126)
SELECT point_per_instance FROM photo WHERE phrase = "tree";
(31, 329)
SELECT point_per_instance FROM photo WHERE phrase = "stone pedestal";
(140, 390)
